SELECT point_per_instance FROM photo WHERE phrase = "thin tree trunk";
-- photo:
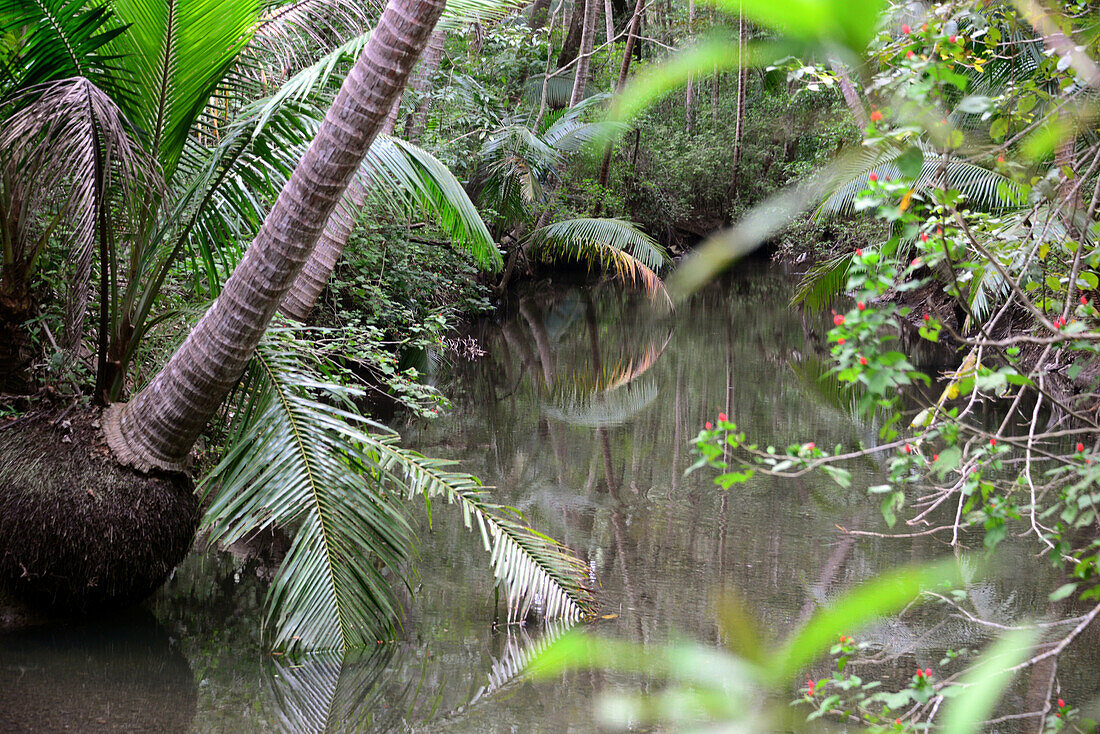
(422, 83)
(307, 287)
(609, 20)
(159, 426)
(851, 96)
(624, 70)
(740, 113)
(588, 39)
(689, 93)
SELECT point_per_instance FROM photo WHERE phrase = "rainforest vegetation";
(243, 238)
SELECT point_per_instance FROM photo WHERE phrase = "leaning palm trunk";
(159, 426)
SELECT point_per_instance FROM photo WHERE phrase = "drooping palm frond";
(823, 283)
(294, 32)
(178, 53)
(984, 189)
(409, 171)
(559, 89)
(520, 648)
(614, 244)
(71, 148)
(297, 458)
(300, 454)
(534, 570)
(69, 39)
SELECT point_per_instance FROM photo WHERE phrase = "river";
(579, 412)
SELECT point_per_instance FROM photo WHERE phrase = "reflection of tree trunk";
(740, 109)
(628, 585)
(542, 341)
(677, 429)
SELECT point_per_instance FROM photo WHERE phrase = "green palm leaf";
(69, 39)
(179, 52)
(302, 456)
(823, 283)
(614, 244)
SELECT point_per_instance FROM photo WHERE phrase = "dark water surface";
(579, 413)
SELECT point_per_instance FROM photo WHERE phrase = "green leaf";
(880, 596)
(1063, 591)
(986, 681)
(910, 162)
(851, 23)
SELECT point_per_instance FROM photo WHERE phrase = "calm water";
(579, 413)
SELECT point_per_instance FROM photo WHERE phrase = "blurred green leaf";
(850, 23)
(986, 682)
(880, 596)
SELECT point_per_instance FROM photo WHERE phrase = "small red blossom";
(859, 252)
(708, 425)
(920, 673)
(908, 449)
(838, 319)
(927, 672)
(926, 318)
(863, 361)
(722, 417)
(935, 457)
(909, 54)
(905, 28)
(861, 306)
(1080, 447)
(1000, 159)
(897, 721)
(1084, 301)
(923, 236)
(840, 340)
(916, 262)
(1061, 704)
(873, 176)
(952, 39)
(992, 442)
(876, 116)
(939, 231)
(810, 685)
(924, 26)
(810, 446)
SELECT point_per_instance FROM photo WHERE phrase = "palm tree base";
(79, 532)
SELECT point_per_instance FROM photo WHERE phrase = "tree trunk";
(572, 43)
(539, 12)
(740, 113)
(422, 83)
(159, 426)
(609, 20)
(588, 41)
(624, 70)
(689, 92)
(851, 96)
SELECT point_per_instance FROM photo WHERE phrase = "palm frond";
(301, 455)
(823, 283)
(984, 189)
(411, 172)
(559, 89)
(67, 38)
(71, 147)
(178, 53)
(292, 32)
(533, 569)
(296, 458)
(614, 244)
(604, 409)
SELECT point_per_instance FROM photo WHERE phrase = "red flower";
(810, 685)
(935, 457)
(923, 236)
(927, 318)
(927, 672)
(863, 361)
(909, 450)
(939, 231)
(810, 446)
(876, 116)
(1061, 704)
(873, 176)
(1000, 159)
(1080, 447)
(952, 39)
(859, 252)
(708, 425)
(992, 442)
(861, 305)
(909, 54)
(838, 319)
(722, 417)
(1084, 301)
(905, 28)
(924, 27)
(840, 340)
(920, 673)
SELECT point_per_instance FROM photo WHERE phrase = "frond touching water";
(614, 244)
(301, 455)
